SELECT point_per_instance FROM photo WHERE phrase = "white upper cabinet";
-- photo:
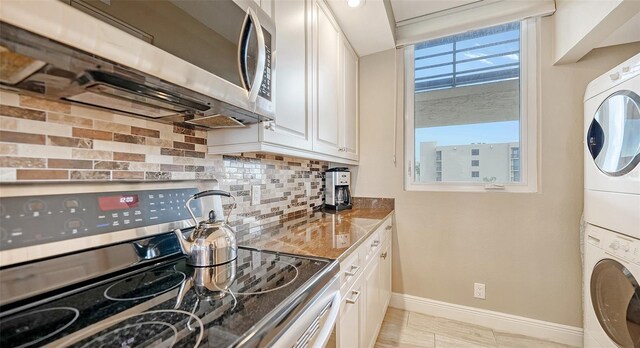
(335, 87)
(326, 81)
(292, 127)
(350, 117)
(266, 6)
(316, 90)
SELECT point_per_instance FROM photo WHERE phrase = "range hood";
(35, 65)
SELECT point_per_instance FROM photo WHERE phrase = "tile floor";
(409, 329)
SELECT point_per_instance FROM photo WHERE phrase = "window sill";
(470, 187)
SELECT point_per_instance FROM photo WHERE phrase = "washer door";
(615, 297)
(613, 138)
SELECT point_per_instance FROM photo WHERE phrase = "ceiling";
(408, 9)
(370, 28)
(626, 33)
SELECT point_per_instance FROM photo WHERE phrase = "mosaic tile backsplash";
(41, 140)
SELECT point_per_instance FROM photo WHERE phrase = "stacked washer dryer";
(612, 208)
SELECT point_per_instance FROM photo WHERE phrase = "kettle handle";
(209, 193)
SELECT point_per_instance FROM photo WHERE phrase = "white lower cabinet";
(348, 329)
(365, 299)
(370, 317)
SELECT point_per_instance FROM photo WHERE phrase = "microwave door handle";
(262, 55)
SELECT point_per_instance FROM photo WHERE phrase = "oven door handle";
(325, 332)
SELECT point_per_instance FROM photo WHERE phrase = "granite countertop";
(321, 234)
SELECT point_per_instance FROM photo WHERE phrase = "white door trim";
(560, 333)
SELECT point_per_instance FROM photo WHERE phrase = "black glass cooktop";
(166, 305)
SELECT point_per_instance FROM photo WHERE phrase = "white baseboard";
(495, 320)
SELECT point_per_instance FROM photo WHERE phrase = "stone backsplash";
(41, 140)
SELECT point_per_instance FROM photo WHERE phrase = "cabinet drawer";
(350, 269)
(371, 246)
(385, 230)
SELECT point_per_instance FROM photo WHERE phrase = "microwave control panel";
(32, 220)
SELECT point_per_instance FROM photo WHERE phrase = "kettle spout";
(184, 244)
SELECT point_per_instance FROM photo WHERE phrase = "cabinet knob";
(270, 126)
(388, 227)
(384, 255)
(375, 243)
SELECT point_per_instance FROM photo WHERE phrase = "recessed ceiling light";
(355, 3)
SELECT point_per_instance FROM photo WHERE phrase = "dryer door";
(615, 296)
(613, 138)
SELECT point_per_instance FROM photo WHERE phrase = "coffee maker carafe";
(337, 195)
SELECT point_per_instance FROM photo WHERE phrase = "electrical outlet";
(256, 195)
(479, 291)
(307, 189)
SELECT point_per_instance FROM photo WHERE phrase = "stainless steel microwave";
(197, 61)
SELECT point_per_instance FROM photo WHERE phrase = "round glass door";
(613, 138)
(615, 297)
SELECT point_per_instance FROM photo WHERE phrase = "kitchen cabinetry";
(350, 116)
(291, 127)
(335, 93)
(316, 91)
(266, 6)
(366, 290)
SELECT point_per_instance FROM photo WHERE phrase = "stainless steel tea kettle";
(212, 242)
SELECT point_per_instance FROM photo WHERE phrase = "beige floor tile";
(396, 316)
(443, 341)
(399, 335)
(507, 340)
(440, 326)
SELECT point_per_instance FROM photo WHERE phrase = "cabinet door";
(349, 124)
(348, 331)
(385, 275)
(292, 126)
(371, 314)
(326, 80)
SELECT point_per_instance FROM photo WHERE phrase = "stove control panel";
(32, 220)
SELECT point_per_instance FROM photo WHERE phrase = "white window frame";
(529, 119)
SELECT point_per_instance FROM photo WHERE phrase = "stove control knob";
(615, 245)
(625, 247)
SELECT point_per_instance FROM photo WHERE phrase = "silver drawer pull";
(375, 243)
(352, 271)
(355, 297)
(384, 255)
(388, 227)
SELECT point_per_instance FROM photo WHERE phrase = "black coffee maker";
(337, 195)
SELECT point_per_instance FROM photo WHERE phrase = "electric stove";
(141, 292)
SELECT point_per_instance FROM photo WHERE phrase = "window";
(472, 97)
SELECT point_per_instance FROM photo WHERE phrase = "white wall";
(524, 246)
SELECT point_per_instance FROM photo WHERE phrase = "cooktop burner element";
(256, 284)
(159, 328)
(27, 329)
(214, 306)
(144, 285)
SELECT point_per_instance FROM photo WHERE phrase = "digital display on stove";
(108, 203)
